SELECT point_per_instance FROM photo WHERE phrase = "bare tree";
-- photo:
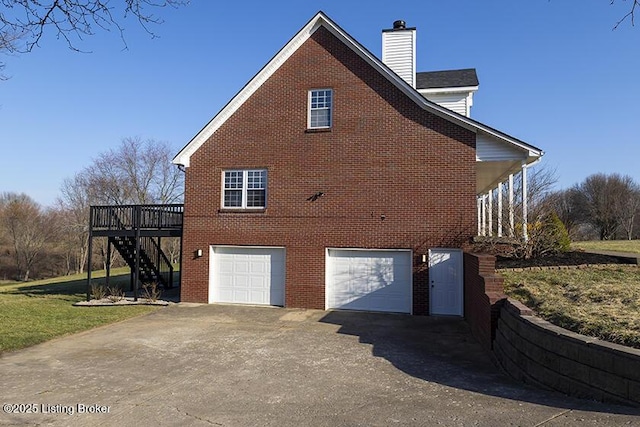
(137, 172)
(73, 205)
(27, 227)
(540, 182)
(7, 45)
(630, 15)
(627, 205)
(23, 23)
(565, 203)
(608, 201)
(72, 20)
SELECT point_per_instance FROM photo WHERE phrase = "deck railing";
(129, 217)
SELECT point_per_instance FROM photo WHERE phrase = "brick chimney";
(399, 51)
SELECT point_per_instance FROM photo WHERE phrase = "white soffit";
(492, 149)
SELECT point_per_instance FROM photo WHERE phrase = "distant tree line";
(40, 242)
(602, 207)
(37, 241)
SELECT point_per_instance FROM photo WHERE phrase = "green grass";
(34, 312)
(602, 302)
(609, 245)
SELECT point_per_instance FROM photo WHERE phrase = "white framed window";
(320, 109)
(244, 189)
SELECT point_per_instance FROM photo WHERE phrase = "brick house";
(332, 181)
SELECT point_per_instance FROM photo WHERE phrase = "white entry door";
(247, 275)
(446, 282)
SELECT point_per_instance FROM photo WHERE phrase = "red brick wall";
(483, 295)
(383, 156)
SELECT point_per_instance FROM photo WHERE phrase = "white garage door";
(247, 275)
(369, 280)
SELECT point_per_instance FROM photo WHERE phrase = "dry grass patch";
(632, 246)
(602, 302)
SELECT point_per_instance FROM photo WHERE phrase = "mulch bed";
(563, 259)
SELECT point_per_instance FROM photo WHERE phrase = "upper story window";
(320, 106)
(245, 189)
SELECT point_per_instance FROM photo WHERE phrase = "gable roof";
(321, 20)
(449, 78)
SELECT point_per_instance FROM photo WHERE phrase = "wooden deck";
(136, 232)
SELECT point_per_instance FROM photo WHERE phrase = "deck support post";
(136, 274)
(90, 251)
(108, 266)
(158, 254)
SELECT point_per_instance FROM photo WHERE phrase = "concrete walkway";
(246, 366)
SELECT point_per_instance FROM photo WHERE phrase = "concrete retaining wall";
(535, 351)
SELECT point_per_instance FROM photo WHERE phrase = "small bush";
(559, 232)
(98, 291)
(151, 291)
(547, 237)
(115, 294)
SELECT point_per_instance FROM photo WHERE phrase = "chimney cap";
(399, 25)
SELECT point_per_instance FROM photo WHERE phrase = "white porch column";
(525, 235)
(512, 224)
(500, 209)
(484, 215)
(490, 219)
(479, 207)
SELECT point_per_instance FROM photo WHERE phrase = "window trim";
(245, 188)
(309, 109)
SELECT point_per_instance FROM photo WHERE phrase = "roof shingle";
(448, 78)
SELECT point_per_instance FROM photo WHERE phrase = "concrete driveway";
(247, 366)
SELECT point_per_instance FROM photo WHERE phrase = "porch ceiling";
(497, 158)
(489, 174)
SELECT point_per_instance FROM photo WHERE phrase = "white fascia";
(461, 89)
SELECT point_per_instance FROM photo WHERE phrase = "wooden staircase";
(153, 263)
(136, 232)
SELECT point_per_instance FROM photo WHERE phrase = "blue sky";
(552, 73)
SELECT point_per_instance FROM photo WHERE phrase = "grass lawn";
(602, 302)
(33, 312)
(609, 245)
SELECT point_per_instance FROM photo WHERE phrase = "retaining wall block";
(610, 383)
(536, 351)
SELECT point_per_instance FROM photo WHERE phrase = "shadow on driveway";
(442, 350)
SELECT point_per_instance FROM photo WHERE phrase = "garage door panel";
(369, 280)
(259, 267)
(247, 275)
